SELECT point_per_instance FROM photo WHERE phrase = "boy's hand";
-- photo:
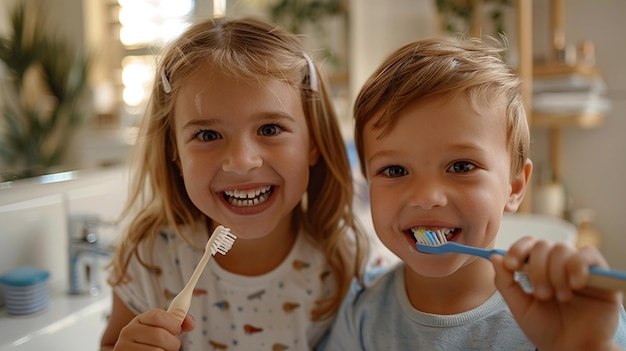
(154, 328)
(561, 313)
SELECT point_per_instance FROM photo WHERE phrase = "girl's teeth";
(244, 198)
(247, 194)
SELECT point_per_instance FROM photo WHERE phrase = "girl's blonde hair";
(247, 49)
(444, 66)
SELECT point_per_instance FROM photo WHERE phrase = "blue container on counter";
(25, 290)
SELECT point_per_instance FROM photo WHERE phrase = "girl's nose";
(242, 156)
(427, 193)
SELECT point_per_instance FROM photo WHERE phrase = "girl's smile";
(249, 201)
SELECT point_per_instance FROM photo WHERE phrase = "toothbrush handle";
(608, 279)
(180, 305)
(471, 250)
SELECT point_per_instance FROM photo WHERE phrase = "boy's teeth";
(447, 232)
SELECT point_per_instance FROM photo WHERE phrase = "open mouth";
(448, 233)
(249, 197)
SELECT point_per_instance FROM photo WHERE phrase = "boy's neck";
(464, 290)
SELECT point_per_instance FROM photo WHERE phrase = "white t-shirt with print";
(233, 312)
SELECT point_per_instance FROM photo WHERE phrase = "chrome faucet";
(87, 253)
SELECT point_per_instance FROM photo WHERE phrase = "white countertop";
(63, 310)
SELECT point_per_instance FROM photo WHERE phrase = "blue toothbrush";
(436, 243)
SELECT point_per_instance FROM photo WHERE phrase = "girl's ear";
(518, 188)
(176, 160)
(314, 154)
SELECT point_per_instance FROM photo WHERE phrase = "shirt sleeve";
(620, 334)
(344, 334)
(138, 293)
(144, 290)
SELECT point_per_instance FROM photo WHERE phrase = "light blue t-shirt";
(380, 317)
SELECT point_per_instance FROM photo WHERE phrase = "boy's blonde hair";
(247, 49)
(443, 66)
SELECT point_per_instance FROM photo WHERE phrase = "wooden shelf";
(586, 120)
(564, 120)
(561, 69)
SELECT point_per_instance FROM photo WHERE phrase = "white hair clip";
(312, 72)
(166, 84)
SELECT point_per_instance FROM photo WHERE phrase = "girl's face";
(443, 166)
(243, 150)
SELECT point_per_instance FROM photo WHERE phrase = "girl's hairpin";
(312, 73)
(166, 84)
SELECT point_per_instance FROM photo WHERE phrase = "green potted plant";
(295, 13)
(311, 17)
(42, 94)
(455, 12)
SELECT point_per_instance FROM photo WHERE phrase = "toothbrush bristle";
(429, 238)
(224, 240)
(442, 237)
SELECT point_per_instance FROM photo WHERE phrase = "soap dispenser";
(588, 234)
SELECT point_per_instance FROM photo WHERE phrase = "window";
(144, 27)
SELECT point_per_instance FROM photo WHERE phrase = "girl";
(240, 132)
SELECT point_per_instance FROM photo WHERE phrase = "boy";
(443, 141)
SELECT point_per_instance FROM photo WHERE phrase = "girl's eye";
(206, 135)
(393, 171)
(461, 167)
(270, 129)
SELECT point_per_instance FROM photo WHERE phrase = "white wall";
(593, 163)
(379, 27)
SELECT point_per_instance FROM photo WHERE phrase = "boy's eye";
(206, 135)
(270, 129)
(461, 167)
(393, 171)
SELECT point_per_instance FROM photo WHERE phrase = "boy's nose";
(242, 157)
(426, 193)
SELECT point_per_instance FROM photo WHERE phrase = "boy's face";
(443, 165)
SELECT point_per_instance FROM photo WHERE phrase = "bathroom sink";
(71, 322)
(515, 226)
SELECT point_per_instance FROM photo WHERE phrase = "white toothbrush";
(220, 241)
(431, 242)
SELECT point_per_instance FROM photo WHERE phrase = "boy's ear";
(518, 188)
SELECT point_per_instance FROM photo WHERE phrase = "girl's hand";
(153, 330)
(561, 313)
